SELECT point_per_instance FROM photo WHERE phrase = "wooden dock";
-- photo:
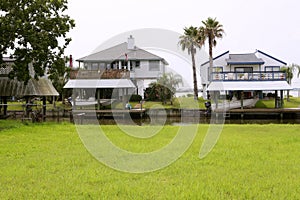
(264, 113)
(266, 110)
(110, 113)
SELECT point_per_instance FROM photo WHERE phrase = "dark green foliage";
(164, 89)
(135, 98)
(59, 74)
(155, 92)
(34, 32)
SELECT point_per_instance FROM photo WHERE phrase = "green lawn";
(293, 103)
(48, 161)
(180, 102)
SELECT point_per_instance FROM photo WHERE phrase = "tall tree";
(289, 71)
(59, 74)
(34, 32)
(190, 41)
(211, 30)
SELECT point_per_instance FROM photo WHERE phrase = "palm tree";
(211, 30)
(190, 41)
(289, 70)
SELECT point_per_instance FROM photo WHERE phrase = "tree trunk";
(210, 41)
(194, 74)
(276, 99)
(288, 92)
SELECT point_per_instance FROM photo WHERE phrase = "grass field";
(48, 161)
(293, 103)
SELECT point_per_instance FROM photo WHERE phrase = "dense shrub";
(135, 97)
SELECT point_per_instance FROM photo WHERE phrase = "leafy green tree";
(34, 32)
(59, 74)
(190, 41)
(164, 89)
(289, 71)
(211, 30)
(170, 83)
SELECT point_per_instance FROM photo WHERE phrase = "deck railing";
(248, 76)
(97, 74)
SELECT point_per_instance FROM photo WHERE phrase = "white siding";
(220, 62)
(143, 71)
(269, 61)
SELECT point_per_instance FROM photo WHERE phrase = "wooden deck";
(263, 113)
(266, 110)
(109, 112)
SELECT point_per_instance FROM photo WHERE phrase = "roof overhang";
(248, 85)
(244, 63)
(99, 83)
(41, 87)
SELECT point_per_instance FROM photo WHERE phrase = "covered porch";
(254, 88)
(99, 92)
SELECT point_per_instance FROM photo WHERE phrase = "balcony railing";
(248, 76)
(100, 74)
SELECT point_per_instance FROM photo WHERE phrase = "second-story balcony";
(100, 74)
(248, 76)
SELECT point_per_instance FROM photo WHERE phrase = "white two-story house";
(250, 73)
(125, 68)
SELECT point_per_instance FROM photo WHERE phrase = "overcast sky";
(269, 25)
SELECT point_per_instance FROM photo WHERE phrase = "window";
(87, 66)
(94, 66)
(154, 65)
(243, 69)
(272, 68)
(217, 69)
(134, 64)
(137, 64)
(102, 66)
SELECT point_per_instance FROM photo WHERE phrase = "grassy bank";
(48, 161)
(180, 102)
(270, 103)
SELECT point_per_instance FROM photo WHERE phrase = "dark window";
(137, 64)
(244, 69)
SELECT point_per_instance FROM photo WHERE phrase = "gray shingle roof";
(250, 58)
(118, 53)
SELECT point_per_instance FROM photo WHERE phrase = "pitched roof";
(249, 58)
(215, 58)
(41, 87)
(282, 62)
(118, 52)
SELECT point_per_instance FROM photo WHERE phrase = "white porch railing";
(247, 76)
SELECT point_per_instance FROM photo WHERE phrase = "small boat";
(233, 104)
